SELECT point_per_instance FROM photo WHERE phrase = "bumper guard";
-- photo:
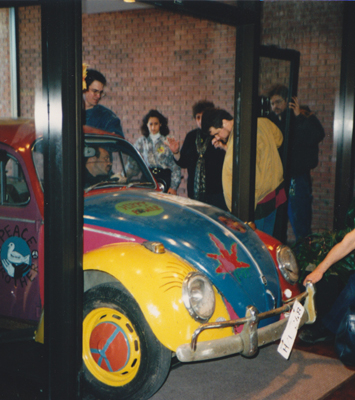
(251, 338)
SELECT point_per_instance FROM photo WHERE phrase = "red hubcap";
(109, 346)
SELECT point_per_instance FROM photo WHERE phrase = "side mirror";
(162, 185)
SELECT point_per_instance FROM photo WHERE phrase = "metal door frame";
(293, 57)
(344, 116)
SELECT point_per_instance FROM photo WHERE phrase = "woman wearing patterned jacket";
(156, 153)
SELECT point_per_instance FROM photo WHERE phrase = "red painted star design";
(228, 260)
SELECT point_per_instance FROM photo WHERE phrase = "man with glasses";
(269, 186)
(97, 115)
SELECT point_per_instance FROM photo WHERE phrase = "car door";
(20, 227)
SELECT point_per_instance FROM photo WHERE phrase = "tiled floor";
(16, 387)
(346, 391)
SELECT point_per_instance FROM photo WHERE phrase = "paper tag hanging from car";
(288, 337)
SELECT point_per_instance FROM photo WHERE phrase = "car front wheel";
(122, 358)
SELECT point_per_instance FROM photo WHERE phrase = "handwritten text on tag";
(290, 332)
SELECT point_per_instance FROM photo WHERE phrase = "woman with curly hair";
(155, 151)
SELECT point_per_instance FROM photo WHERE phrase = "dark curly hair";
(201, 106)
(213, 117)
(164, 129)
(93, 75)
(278, 90)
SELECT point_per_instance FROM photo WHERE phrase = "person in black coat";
(306, 132)
(203, 161)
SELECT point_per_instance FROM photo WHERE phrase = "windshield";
(108, 162)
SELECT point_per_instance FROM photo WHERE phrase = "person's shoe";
(315, 334)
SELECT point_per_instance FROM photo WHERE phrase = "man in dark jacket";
(203, 161)
(96, 115)
(305, 134)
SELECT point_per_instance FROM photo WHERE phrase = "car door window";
(121, 165)
(13, 189)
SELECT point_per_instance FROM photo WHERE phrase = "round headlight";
(287, 264)
(198, 296)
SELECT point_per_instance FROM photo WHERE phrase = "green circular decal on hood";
(139, 208)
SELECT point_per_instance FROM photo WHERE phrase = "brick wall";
(162, 60)
(30, 60)
(5, 85)
(30, 51)
(157, 59)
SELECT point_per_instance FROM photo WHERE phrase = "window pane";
(16, 189)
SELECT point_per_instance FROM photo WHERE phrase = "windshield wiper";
(116, 182)
(95, 185)
(138, 184)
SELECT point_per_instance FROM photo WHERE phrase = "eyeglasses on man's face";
(96, 92)
(106, 159)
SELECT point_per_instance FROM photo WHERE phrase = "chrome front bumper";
(251, 338)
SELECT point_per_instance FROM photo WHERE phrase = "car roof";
(20, 132)
(17, 133)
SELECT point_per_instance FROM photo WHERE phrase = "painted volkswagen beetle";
(164, 276)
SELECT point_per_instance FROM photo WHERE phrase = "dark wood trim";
(293, 56)
(19, 3)
(236, 14)
(63, 197)
(344, 122)
(245, 121)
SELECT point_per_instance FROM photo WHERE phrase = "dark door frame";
(63, 212)
(245, 120)
(344, 116)
(63, 198)
(293, 57)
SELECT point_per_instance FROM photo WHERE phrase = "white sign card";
(289, 336)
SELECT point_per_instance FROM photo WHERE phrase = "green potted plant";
(310, 251)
